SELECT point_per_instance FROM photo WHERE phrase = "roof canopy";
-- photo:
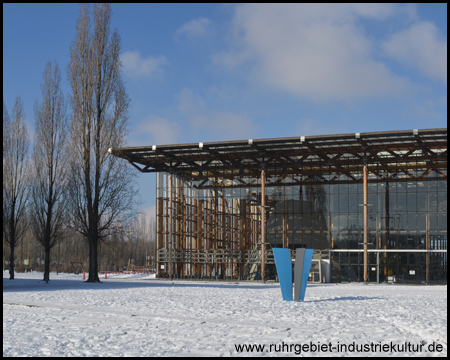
(280, 155)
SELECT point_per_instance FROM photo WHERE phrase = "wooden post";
(170, 226)
(285, 224)
(386, 225)
(200, 232)
(195, 238)
(366, 223)
(263, 223)
(427, 246)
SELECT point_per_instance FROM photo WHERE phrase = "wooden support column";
(200, 232)
(170, 226)
(238, 235)
(386, 225)
(263, 222)
(427, 246)
(285, 224)
(366, 223)
(195, 238)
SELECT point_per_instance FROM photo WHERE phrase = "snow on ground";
(130, 315)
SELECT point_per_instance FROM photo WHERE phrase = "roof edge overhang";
(338, 151)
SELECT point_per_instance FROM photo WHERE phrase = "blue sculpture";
(284, 270)
(303, 258)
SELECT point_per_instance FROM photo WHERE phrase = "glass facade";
(373, 206)
(216, 226)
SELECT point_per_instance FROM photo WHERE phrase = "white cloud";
(159, 131)
(213, 124)
(420, 46)
(314, 50)
(307, 127)
(190, 103)
(135, 65)
(194, 28)
(221, 125)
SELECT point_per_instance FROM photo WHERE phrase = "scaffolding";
(212, 235)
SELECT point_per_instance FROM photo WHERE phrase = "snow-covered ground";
(132, 315)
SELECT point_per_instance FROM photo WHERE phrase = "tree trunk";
(96, 186)
(47, 264)
(93, 263)
(11, 261)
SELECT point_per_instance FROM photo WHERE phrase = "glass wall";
(216, 223)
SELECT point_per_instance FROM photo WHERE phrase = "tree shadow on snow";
(349, 298)
(22, 285)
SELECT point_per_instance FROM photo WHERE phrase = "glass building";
(373, 206)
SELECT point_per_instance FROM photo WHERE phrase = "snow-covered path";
(134, 316)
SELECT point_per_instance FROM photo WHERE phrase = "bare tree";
(49, 164)
(143, 229)
(100, 185)
(6, 123)
(6, 127)
(15, 180)
(134, 241)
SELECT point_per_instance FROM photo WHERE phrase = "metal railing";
(214, 256)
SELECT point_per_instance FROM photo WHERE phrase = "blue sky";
(211, 72)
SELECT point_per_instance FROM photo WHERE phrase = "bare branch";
(15, 178)
(49, 164)
(100, 187)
